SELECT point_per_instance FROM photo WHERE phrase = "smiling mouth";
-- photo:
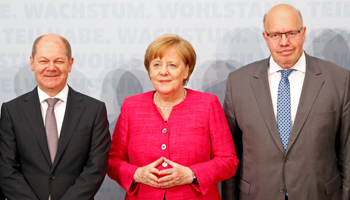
(50, 77)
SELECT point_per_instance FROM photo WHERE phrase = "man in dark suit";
(1, 194)
(55, 151)
(289, 116)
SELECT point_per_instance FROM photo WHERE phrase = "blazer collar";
(32, 111)
(74, 110)
(312, 85)
(261, 88)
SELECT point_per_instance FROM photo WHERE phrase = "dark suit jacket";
(316, 164)
(26, 171)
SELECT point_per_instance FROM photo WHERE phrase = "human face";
(285, 51)
(168, 72)
(51, 65)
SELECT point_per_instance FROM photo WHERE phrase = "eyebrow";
(40, 57)
(284, 31)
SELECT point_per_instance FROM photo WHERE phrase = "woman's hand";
(178, 175)
(146, 174)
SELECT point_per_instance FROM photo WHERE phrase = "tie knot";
(286, 73)
(51, 102)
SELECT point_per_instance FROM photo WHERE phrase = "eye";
(42, 61)
(156, 65)
(172, 65)
(292, 33)
(274, 35)
(59, 62)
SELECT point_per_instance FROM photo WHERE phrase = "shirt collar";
(300, 65)
(63, 95)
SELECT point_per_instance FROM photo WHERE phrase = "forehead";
(283, 21)
(50, 46)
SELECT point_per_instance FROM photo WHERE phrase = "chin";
(165, 91)
(52, 86)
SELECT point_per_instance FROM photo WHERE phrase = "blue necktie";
(283, 107)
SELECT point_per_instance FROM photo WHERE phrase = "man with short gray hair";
(54, 141)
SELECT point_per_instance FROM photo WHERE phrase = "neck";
(171, 99)
(51, 92)
(288, 66)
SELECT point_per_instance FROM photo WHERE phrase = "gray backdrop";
(109, 39)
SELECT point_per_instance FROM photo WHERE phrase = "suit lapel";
(72, 116)
(261, 89)
(32, 111)
(312, 84)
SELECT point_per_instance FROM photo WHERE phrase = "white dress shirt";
(296, 80)
(60, 107)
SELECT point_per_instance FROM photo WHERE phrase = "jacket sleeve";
(119, 168)
(12, 182)
(91, 178)
(230, 187)
(343, 151)
(223, 161)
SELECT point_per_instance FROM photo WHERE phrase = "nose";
(164, 69)
(51, 66)
(284, 40)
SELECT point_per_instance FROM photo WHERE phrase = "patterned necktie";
(283, 107)
(51, 128)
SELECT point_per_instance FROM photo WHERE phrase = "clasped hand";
(175, 176)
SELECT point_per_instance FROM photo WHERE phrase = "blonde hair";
(160, 46)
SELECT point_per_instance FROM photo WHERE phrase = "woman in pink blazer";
(172, 143)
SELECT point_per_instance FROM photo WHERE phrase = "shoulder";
(139, 97)
(249, 69)
(246, 74)
(87, 100)
(197, 97)
(327, 68)
(22, 98)
(326, 65)
(200, 95)
(142, 99)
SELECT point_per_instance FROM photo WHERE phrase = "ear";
(265, 38)
(70, 64)
(304, 33)
(31, 63)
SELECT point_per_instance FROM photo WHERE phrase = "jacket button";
(164, 130)
(286, 160)
(52, 177)
(282, 190)
(163, 146)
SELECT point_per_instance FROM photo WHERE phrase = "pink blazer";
(196, 135)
